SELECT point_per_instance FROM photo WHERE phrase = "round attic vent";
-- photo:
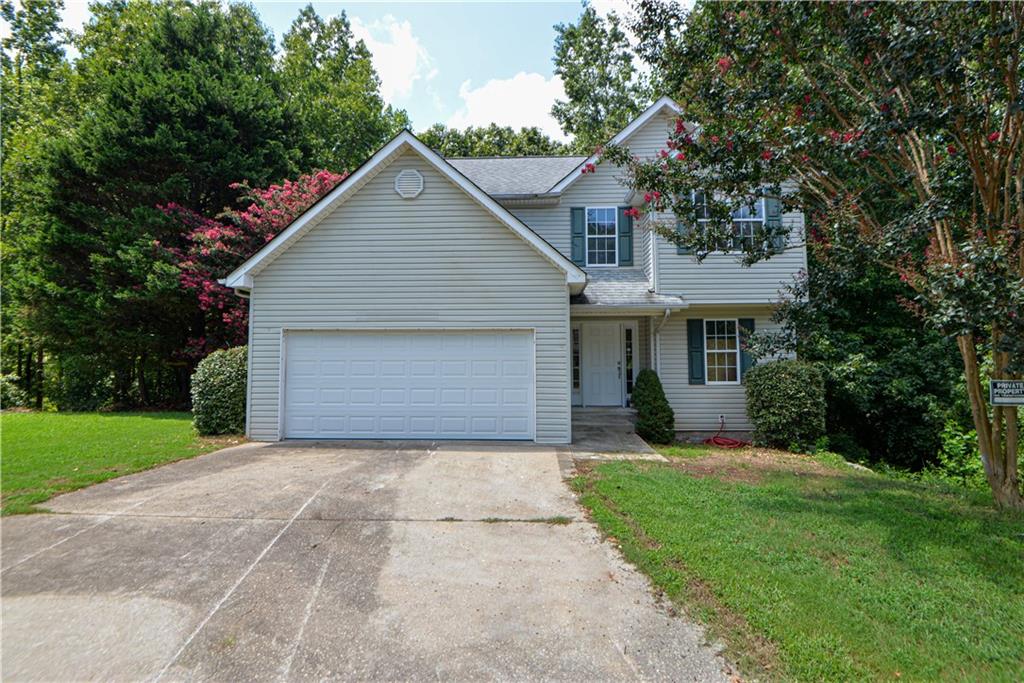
(408, 183)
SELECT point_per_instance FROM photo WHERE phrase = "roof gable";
(663, 104)
(241, 277)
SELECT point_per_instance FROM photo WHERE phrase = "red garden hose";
(724, 441)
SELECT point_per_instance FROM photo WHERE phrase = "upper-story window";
(746, 220)
(602, 236)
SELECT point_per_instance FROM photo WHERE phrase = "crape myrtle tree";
(898, 128)
(216, 246)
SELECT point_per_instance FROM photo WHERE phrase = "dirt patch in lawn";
(751, 465)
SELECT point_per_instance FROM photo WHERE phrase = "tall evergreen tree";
(177, 101)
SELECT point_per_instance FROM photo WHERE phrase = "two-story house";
(484, 298)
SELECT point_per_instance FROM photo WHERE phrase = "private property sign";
(1006, 392)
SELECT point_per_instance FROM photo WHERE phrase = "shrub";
(655, 421)
(218, 392)
(11, 395)
(79, 383)
(786, 404)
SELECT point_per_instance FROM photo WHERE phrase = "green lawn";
(810, 570)
(43, 454)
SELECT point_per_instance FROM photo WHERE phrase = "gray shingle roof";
(621, 287)
(515, 175)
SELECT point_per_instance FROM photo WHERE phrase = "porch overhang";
(597, 311)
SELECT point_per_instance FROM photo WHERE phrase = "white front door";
(602, 363)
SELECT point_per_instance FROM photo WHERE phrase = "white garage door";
(409, 385)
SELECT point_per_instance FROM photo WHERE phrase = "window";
(746, 220)
(722, 351)
(575, 358)
(602, 240)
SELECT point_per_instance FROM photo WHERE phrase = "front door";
(602, 363)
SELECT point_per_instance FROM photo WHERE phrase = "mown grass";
(810, 570)
(44, 454)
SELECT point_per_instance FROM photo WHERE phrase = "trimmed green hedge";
(655, 421)
(218, 392)
(786, 404)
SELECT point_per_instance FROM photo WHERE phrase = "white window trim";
(760, 220)
(586, 237)
(739, 368)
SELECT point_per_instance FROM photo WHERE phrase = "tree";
(330, 82)
(603, 87)
(901, 127)
(891, 380)
(175, 101)
(215, 247)
(494, 140)
(33, 76)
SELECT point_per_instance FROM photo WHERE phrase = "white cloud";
(523, 100)
(398, 55)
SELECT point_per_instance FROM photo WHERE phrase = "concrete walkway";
(608, 434)
(333, 561)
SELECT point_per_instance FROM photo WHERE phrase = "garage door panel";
(442, 385)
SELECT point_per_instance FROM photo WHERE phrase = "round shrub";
(11, 395)
(786, 404)
(218, 392)
(655, 421)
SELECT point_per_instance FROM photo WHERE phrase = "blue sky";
(456, 63)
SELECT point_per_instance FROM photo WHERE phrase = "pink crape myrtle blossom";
(216, 246)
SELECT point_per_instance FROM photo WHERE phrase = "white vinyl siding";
(600, 188)
(697, 406)
(721, 279)
(439, 261)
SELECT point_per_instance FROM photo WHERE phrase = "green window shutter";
(695, 349)
(746, 360)
(682, 229)
(773, 221)
(579, 239)
(625, 237)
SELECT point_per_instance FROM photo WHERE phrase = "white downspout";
(657, 337)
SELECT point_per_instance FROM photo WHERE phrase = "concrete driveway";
(366, 561)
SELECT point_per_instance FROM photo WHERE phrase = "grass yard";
(811, 570)
(43, 454)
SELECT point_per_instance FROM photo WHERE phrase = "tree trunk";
(39, 379)
(143, 389)
(26, 381)
(997, 436)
